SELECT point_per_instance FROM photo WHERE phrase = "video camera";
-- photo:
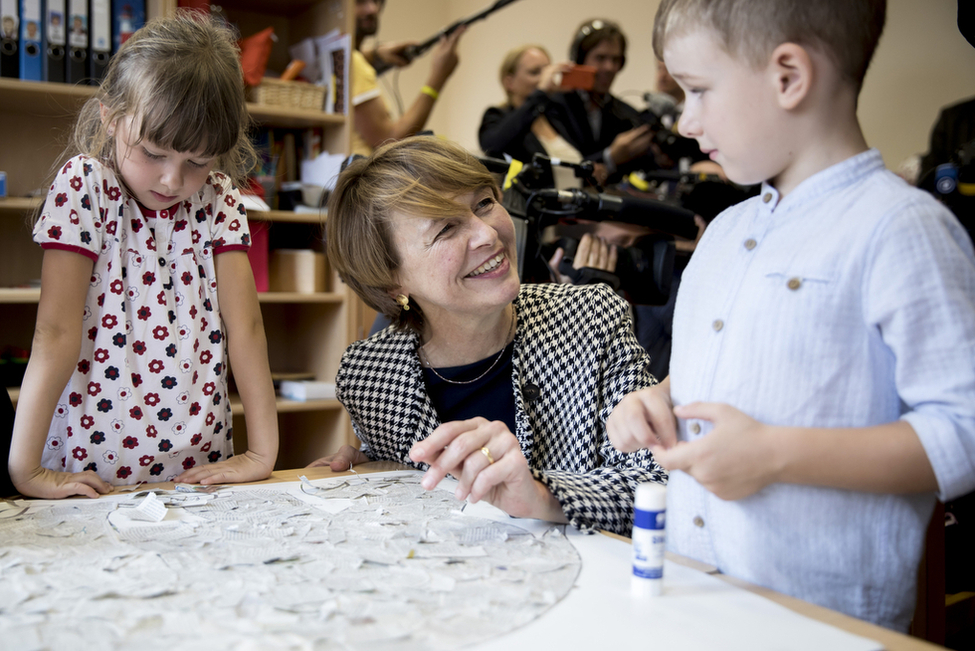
(643, 271)
(673, 145)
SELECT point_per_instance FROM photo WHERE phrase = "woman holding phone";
(520, 127)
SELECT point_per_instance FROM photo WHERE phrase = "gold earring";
(404, 302)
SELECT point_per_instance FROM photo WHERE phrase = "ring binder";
(32, 40)
(54, 32)
(77, 63)
(9, 39)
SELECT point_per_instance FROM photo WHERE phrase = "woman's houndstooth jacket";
(575, 345)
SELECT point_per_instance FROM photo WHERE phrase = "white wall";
(922, 64)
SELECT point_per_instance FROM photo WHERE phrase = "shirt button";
(794, 284)
(695, 428)
(698, 521)
(717, 325)
(766, 197)
(750, 244)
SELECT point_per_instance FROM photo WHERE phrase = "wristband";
(430, 92)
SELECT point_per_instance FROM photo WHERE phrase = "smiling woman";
(505, 387)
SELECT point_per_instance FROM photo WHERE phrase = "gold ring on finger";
(487, 453)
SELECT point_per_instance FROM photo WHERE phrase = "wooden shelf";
(287, 216)
(42, 97)
(282, 116)
(295, 297)
(290, 406)
(18, 206)
(18, 295)
(52, 99)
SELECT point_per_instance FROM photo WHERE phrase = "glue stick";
(649, 539)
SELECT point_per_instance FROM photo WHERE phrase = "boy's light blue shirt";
(849, 303)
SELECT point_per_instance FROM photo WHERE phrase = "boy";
(823, 367)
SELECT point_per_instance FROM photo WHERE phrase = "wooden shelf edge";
(290, 406)
(287, 216)
(19, 206)
(18, 295)
(18, 96)
(295, 297)
(289, 117)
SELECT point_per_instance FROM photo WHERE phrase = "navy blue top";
(491, 397)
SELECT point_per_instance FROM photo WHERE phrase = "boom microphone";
(414, 51)
(653, 214)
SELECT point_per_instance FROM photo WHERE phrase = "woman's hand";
(486, 459)
(644, 419)
(344, 459)
(238, 469)
(54, 485)
(551, 77)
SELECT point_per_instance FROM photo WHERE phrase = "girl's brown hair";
(180, 82)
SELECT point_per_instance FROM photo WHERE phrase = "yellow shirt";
(364, 88)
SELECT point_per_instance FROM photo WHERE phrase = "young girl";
(146, 288)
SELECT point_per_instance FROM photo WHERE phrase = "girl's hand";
(644, 419)
(486, 459)
(238, 469)
(344, 459)
(53, 485)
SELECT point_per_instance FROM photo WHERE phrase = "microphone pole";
(414, 51)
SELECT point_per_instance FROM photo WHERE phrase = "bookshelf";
(307, 333)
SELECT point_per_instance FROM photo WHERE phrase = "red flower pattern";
(89, 209)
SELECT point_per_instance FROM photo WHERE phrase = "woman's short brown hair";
(416, 176)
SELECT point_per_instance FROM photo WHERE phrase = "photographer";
(604, 128)
(373, 124)
(519, 127)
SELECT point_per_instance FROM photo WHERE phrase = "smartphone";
(578, 77)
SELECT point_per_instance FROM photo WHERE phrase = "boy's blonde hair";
(415, 176)
(180, 81)
(847, 31)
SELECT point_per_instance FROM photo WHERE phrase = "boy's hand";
(734, 460)
(238, 469)
(644, 419)
(54, 485)
(344, 459)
